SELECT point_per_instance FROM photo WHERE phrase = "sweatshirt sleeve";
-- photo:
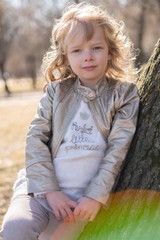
(39, 167)
(119, 140)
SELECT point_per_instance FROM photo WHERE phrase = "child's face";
(88, 59)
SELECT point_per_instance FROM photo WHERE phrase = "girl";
(77, 142)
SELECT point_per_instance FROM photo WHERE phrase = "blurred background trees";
(25, 30)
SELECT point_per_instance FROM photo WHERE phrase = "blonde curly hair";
(121, 65)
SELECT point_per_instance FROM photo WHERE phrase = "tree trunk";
(141, 57)
(31, 63)
(132, 212)
(142, 167)
(4, 77)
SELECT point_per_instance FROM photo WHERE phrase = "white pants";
(27, 219)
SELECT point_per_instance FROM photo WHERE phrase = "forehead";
(85, 32)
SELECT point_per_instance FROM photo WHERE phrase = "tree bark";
(132, 211)
(142, 165)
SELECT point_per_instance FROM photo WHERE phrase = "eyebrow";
(80, 45)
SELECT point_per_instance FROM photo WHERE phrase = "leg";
(63, 231)
(25, 219)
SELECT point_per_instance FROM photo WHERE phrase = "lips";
(89, 68)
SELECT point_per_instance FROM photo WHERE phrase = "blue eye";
(97, 48)
(76, 50)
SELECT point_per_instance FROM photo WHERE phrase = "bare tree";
(142, 19)
(6, 39)
(35, 20)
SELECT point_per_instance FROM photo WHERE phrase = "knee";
(19, 229)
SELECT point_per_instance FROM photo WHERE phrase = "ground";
(16, 112)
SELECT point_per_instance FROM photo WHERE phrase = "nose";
(88, 56)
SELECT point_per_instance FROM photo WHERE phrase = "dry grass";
(15, 115)
(20, 85)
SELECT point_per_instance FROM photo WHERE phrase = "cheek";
(74, 62)
(103, 60)
(102, 57)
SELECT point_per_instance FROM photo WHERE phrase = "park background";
(25, 30)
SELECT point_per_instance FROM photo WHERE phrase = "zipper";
(93, 110)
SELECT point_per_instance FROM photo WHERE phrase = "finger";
(82, 213)
(91, 218)
(66, 220)
(70, 215)
(63, 213)
(72, 204)
(77, 211)
(57, 214)
(87, 217)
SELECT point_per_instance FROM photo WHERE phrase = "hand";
(87, 208)
(61, 206)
